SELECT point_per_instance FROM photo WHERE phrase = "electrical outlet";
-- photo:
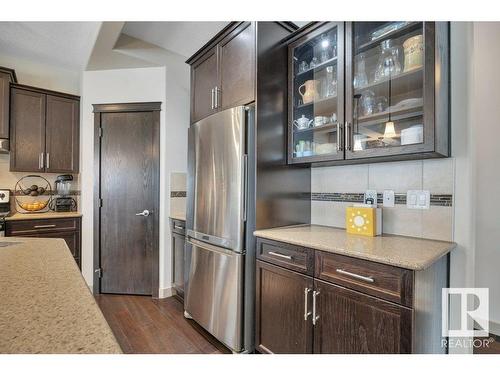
(371, 194)
(418, 199)
(388, 198)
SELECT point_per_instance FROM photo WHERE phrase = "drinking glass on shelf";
(303, 66)
(388, 63)
(360, 77)
(331, 82)
(380, 104)
(367, 103)
(324, 55)
(314, 62)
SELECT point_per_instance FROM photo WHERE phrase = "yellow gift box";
(363, 219)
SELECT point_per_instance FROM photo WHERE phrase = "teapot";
(302, 123)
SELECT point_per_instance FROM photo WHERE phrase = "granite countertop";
(43, 215)
(178, 216)
(46, 306)
(405, 252)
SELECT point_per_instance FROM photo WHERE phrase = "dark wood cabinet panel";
(281, 324)
(62, 135)
(27, 121)
(4, 104)
(381, 280)
(237, 67)
(178, 245)
(68, 229)
(296, 258)
(352, 322)
(204, 79)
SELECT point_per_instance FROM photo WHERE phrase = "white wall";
(485, 94)
(136, 85)
(46, 76)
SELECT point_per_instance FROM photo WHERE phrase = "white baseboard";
(165, 292)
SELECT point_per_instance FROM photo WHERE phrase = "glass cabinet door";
(316, 98)
(386, 89)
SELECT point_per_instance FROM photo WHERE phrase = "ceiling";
(65, 44)
(184, 38)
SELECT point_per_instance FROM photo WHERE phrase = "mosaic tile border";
(177, 194)
(445, 200)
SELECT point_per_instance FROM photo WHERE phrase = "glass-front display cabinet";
(316, 99)
(395, 97)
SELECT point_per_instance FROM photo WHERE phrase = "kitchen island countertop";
(46, 306)
(405, 252)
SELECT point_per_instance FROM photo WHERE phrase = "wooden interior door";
(27, 131)
(281, 303)
(128, 186)
(237, 67)
(203, 80)
(62, 135)
(355, 323)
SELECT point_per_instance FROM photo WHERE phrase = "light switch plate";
(418, 199)
(371, 194)
(388, 198)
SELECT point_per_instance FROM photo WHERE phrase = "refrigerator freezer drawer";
(214, 297)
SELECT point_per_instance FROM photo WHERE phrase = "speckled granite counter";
(406, 252)
(178, 216)
(45, 304)
(45, 215)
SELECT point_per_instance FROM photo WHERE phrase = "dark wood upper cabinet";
(351, 322)
(62, 134)
(27, 122)
(204, 78)
(7, 76)
(223, 72)
(389, 92)
(45, 130)
(237, 67)
(283, 303)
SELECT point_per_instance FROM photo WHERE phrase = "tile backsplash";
(335, 188)
(177, 194)
(8, 179)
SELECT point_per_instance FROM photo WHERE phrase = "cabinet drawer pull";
(178, 227)
(45, 226)
(315, 317)
(212, 99)
(306, 312)
(280, 255)
(368, 279)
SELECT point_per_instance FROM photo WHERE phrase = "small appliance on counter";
(63, 203)
(364, 218)
(4, 209)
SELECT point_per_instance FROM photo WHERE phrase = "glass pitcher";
(388, 64)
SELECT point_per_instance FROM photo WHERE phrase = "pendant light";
(390, 131)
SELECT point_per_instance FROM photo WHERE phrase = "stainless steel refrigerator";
(220, 248)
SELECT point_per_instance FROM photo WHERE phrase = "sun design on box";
(359, 221)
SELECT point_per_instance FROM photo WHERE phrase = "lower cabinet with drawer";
(344, 305)
(178, 245)
(68, 229)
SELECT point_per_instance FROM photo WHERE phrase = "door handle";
(212, 98)
(315, 317)
(143, 213)
(348, 136)
(280, 255)
(306, 312)
(48, 160)
(216, 97)
(178, 227)
(41, 160)
(368, 279)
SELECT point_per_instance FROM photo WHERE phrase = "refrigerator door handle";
(245, 187)
(209, 247)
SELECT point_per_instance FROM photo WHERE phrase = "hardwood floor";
(145, 325)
